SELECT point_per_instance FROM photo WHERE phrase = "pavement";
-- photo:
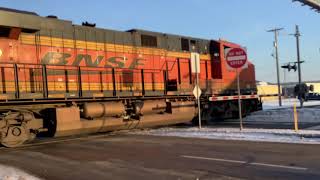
(127, 156)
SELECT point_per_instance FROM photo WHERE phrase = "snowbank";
(267, 135)
(305, 115)
(274, 104)
(10, 173)
(272, 113)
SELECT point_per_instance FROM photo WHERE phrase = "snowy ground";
(274, 104)
(9, 173)
(271, 114)
(266, 135)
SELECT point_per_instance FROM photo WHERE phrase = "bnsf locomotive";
(60, 79)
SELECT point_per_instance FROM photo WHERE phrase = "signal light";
(290, 67)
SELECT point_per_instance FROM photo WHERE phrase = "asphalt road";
(150, 157)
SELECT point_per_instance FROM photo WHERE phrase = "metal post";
(114, 93)
(284, 81)
(239, 99)
(276, 30)
(142, 82)
(45, 81)
(79, 82)
(197, 85)
(295, 117)
(16, 81)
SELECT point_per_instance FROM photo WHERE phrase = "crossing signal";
(290, 67)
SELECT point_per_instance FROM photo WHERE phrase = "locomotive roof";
(142, 31)
(30, 20)
(52, 26)
(26, 19)
(18, 11)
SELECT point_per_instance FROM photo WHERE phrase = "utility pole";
(297, 35)
(275, 31)
(284, 82)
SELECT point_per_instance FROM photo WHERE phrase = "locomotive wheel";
(15, 136)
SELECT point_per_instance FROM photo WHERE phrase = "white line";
(244, 162)
(280, 166)
(214, 159)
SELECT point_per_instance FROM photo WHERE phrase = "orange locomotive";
(60, 79)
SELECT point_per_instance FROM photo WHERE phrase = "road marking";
(280, 166)
(214, 159)
(245, 162)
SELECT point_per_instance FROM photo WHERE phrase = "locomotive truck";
(61, 79)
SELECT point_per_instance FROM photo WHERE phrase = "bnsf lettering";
(88, 60)
(116, 62)
(56, 58)
(136, 62)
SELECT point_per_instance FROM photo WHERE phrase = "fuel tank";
(96, 117)
(102, 109)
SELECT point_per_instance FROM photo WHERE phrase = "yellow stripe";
(69, 43)
(56, 95)
(9, 87)
(25, 87)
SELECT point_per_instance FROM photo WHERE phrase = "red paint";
(219, 77)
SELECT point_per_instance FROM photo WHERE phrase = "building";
(267, 91)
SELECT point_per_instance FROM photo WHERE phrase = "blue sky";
(242, 21)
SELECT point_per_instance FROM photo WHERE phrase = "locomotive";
(61, 79)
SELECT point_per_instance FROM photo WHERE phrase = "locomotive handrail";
(48, 69)
(113, 71)
(45, 67)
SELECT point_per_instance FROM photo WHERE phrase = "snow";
(305, 115)
(10, 173)
(265, 135)
(274, 104)
(271, 114)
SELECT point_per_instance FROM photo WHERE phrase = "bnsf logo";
(56, 58)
